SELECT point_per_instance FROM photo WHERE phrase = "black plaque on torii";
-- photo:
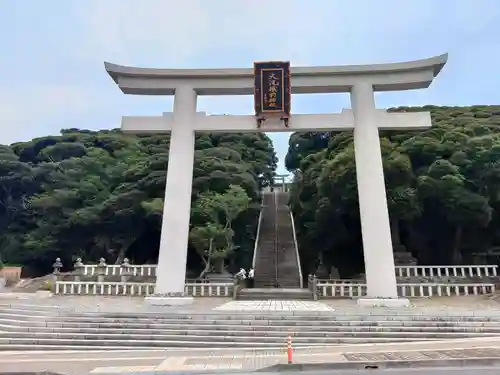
(272, 91)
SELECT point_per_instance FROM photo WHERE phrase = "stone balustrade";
(138, 289)
(464, 271)
(118, 270)
(401, 271)
(441, 281)
(327, 289)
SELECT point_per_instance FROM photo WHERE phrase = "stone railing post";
(236, 285)
(101, 270)
(126, 271)
(79, 269)
(57, 269)
(312, 283)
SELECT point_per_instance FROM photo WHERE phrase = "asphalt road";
(77, 363)
(178, 362)
(428, 371)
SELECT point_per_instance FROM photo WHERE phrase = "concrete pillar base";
(383, 302)
(168, 301)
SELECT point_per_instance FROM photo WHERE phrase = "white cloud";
(24, 111)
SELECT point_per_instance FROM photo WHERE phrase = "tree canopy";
(443, 190)
(100, 194)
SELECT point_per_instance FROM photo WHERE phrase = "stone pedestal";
(403, 257)
(334, 273)
(225, 277)
(322, 271)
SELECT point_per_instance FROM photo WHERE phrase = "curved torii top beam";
(408, 75)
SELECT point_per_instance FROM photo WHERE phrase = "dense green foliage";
(100, 194)
(443, 190)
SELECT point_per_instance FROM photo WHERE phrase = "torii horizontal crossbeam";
(317, 122)
(305, 80)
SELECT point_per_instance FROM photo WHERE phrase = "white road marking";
(171, 364)
(115, 370)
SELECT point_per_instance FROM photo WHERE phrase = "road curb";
(362, 365)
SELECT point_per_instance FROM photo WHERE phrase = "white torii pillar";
(172, 257)
(364, 118)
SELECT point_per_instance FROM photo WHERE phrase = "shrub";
(47, 285)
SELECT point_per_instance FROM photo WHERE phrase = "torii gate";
(359, 80)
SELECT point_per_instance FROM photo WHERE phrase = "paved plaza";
(258, 306)
(121, 304)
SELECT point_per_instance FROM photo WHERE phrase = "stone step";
(313, 331)
(195, 341)
(276, 248)
(272, 297)
(242, 336)
(254, 325)
(12, 343)
(314, 313)
(253, 318)
(269, 294)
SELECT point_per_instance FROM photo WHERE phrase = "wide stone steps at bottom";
(321, 318)
(22, 329)
(303, 331)
(241, 336)
(277, 325)
(271, 318)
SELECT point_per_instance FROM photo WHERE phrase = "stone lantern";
(79, 269)
(57, 266)
(101, 270)
(126, 270)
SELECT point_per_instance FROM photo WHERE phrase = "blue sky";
(52, 74)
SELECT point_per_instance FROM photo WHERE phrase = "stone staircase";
(288, 269)
(25, 327)
(266, 262)
(276, 262)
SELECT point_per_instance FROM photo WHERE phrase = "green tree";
(100, 194)
(442, 189)
(212, 235)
